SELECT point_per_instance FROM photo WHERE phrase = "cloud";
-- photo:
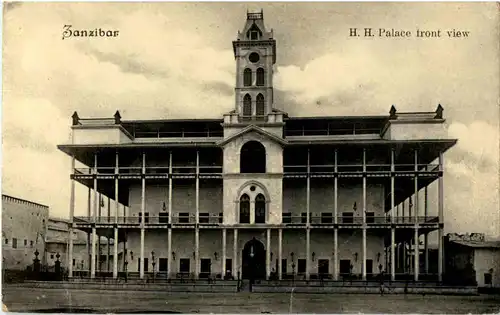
(472, 174)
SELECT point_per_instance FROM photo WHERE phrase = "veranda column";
(197, 229)
(308, 250)
(335, 254)
(393, 229)
(235, 254)
(108, 238)
(117, 209)
(335, 220)
(280, 253)
(89, 211)
(224, 237)
(441, 217)
(94, 214)
(143, 210)
(416, 210)
(364, 217)
(426, 238)
(416, 254)
(268, 254)
(169, 236)
(71, 215)
(125, 239)
(308, 204)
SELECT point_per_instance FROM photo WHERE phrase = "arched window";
(253, 158)
(245, 209)
(260, 77)
(260, 106)
(260, 209)
(247, 77)
(247, 105)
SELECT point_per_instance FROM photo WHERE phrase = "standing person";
(381, 280)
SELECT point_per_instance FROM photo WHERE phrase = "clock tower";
(255, 55)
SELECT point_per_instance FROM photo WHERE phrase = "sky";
(175, 60)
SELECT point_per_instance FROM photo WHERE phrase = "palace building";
(258, 193)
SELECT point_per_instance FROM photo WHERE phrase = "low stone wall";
(369, 289)
(81, 285)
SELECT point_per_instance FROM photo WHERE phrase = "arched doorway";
(253, 260)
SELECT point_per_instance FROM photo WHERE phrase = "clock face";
(254, 57)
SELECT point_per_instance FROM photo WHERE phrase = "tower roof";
(255, 22)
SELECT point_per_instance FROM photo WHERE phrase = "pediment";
(256, 129)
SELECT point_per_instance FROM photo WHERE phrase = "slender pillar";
(169, 236)
(441, 217)
(197, 252)
(117, 209)
(308, 188)
(416, 201)
(363, 263)
(224, 236)
(71, 215)
(93, 261)
(426, 236)
(89, 211)
(308, 252)
(393, 229)
(169, 255)
(197, 229)
(99, 249)
(143, 210)
(94, 216)
(335, 254)
(115, 253)
(235, 253)
(335, 190)
(108, 261)
(268, 254)
(280, 253)
(416, 253)
(125, 240)
(170, 189)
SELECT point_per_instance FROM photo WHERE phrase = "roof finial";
(392, 112)
(76, 119)
(439, 112)
(118, 118)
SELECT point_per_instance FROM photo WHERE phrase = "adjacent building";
(259, 192)
(472, 258)
(24, 228)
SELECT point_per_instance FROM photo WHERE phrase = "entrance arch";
(253, 267)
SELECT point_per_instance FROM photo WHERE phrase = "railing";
(331, 131)
(315, 219)
(204, 169)
(349, 168)
(179, 134)
(151, 220)
(252, 118)
(318, 219)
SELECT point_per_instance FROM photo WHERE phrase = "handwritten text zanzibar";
(401, 33)
(69, 32)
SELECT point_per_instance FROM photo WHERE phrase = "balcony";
(326, 219)
(178, 219)
(182, 170)
(358, 168)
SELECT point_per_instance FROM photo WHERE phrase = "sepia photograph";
(251, 157)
